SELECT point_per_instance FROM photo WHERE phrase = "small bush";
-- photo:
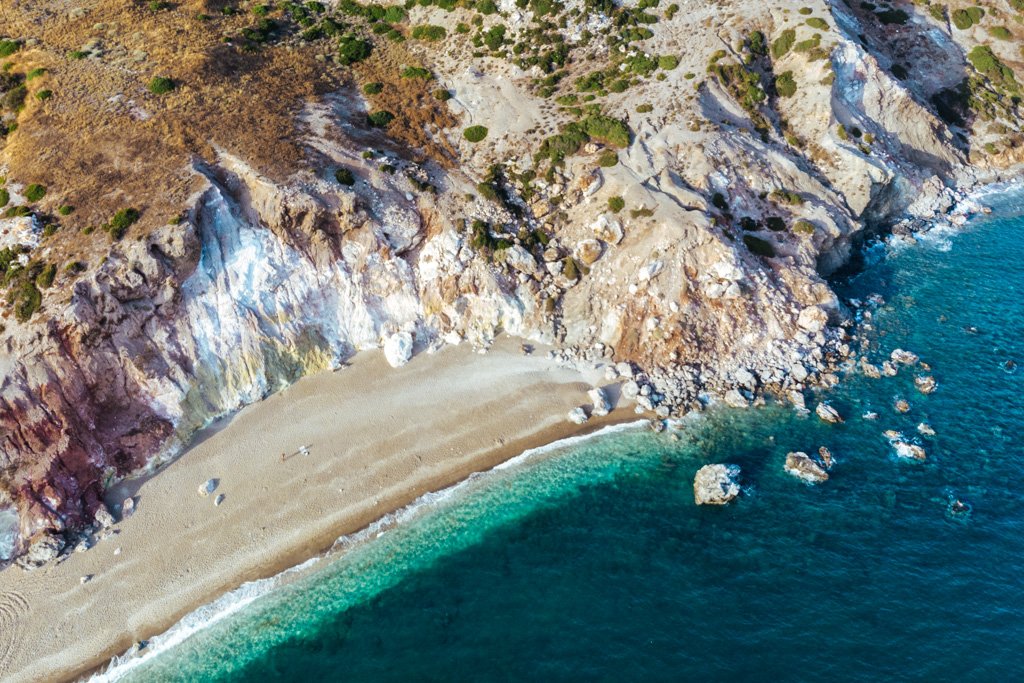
(645, 108)
(416, 72)
(442, 94)
(803, 227)
(345, 177)
(963, 19)
(161, 85)
(46, 275)
(122, 220)
(805, 11)
(373, 88)
(35, 192)
(429, 32)
(44, 95)
(775, 224)
(785, 86)
(5, 197)
(35, 73)
(9, 47)
(380, 119)
(77, 54)
(783, 43)
(66, 210)
(608, 158)
(475, 133)
(1000, 33)
(668, 62)
(616, 204)
(352, 49)
(818, 23)
(719, 202)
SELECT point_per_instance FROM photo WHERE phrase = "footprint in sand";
(12, 607)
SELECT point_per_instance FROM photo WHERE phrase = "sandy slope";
(378, 438)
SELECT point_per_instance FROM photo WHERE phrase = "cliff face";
(694, 247)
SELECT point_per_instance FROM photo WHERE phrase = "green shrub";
(775, 224)
(429, 32)
(27, 299)
(984, 60)
(442, 94)
(1000, 33)
(938, 12)
(645, 108)
(35, 73)
(122, 220)
(607, 159)
(66, 210)
(963, 19)
(818, 23)
(9, 47)
(841, 132)
(373, 88)
(345, 177)
(43, 95)
(783, 43)
(46, 275)
(5, 197)
(612, 132)
(758, 246)
(805, 11)
(494, 37)
(161, 85)
(803, 227)
(35, 192)
(380, 119)
(786, 197)
(785, 86)
(616, 204)
(475, 133)
(486, 7)
(78, 54)
(668, 62)
(352, 49)
(416, 72)
(14, 99)
(671, 11)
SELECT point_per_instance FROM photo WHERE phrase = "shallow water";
(593, 562)
(8, 533)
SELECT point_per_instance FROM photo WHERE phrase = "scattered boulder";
(103, 517)
(589, 251)
(602, 406)
(925, 383)
(797, 399)
(901, 406)
(812, 319)
(903, 357)
(826, 457)
(828, 414)
(800, 465)
(909, 450)
(870, 415)
(85, 579)
(869, 369)
(398, 349)
(218, 500)
(607, 229)
(630, 390)
(577, 415)
(208, 487)
(734, 399)
(888, 369)
(127, 507)
(716, 484)
(925, 429)
(43, 549)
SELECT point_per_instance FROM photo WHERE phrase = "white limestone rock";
(716, 484)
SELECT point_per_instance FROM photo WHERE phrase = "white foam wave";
(233, 601)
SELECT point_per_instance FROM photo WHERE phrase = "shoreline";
(407, 440)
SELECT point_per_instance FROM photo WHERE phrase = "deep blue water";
(593, 563)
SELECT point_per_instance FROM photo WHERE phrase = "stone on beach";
(716, 484)
(577, 415)
(207, 487)
(602, 406)
(801, 466)
(218, 500)
(103, 517)
(828, 414)
(398, 349)
(43, 549)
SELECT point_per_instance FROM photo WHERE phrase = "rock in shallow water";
(716, 484)
(828, 414)
(925, 384)
(800, 465)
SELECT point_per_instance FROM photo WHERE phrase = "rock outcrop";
(716, 484)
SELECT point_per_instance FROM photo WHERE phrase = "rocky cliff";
(206, 200)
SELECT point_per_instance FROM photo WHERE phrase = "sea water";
(591, 561)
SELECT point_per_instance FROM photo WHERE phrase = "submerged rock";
(826, 457)
(903, 357)
(828, 414)
(901, 406)
(925, 429)
(801, 466)
(716, 484)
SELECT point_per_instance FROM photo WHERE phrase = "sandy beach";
(378, 439)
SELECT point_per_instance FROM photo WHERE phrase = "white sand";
(378, 438)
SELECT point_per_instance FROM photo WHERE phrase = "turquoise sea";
(591, 562)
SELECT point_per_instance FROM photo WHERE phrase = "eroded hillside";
(205, 200)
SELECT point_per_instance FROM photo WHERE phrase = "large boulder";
(828, 414)
(398, 349)
(45, 548)
(801, 466)
(602, 406)
(577, 415)
(716, 484)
